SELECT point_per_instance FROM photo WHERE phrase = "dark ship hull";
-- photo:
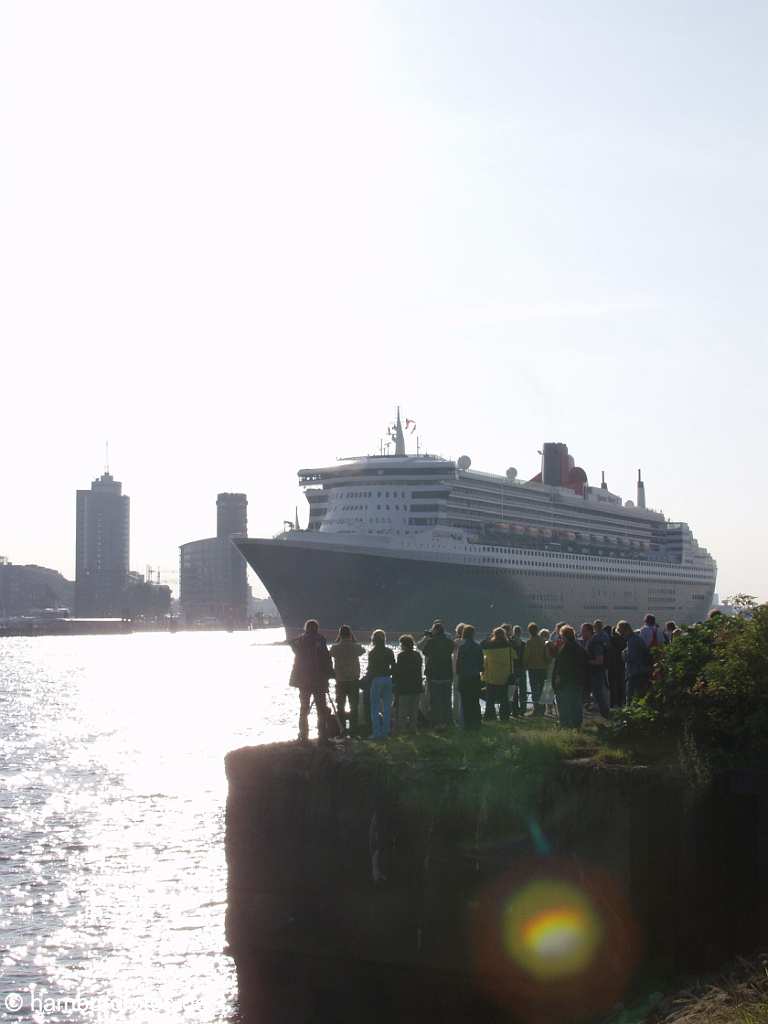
(369, 590)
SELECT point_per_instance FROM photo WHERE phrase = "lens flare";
(551, 930)
(553, 941)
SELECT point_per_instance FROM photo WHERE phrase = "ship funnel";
(554, 464)
(640, 490)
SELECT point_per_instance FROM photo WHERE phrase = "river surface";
(112, 793)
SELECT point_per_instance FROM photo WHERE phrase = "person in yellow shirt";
(537, 660)
(498, 664)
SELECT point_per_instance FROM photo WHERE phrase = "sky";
(235, 235)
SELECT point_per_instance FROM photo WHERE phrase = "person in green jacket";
(346, 654)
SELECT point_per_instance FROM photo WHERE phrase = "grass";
(483, 773)
(737, 996)
(531, 743)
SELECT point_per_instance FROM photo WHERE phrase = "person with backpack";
(312, 668)
(651, 634)
(498, 664)
(637, 660)
(381, 665)
(346, 652)
(407, 684)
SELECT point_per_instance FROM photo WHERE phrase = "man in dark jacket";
(408, 687)
(638, 662)
(312, 668)
(571, 675)
(597, 653)
(469, 666)
(438, 668)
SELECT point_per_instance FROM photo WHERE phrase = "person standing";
(458, 636)
(407, 684)
(637, 661)
(537, 663)
(520, 700)
(381, 664)
(651, 634)
(571, 675)
(469, 666)
(498, 664)
(597, 656)
(617, 685)
(346, 652)
(438, 650)
(312, 668)
(547, 698)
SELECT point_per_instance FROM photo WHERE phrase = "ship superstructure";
(395, 540)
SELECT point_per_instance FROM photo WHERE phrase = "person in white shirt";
(651, 634)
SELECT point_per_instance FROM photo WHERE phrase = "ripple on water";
(111, 833)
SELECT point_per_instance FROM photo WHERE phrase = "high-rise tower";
(214, 575)
(101, 548)
(232, 516)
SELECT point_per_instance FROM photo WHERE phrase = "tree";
(744, 604)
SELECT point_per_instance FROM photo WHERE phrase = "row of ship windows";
(615, 573)
(412, 520)
(383, 494)
(571, 576)
(397, 508)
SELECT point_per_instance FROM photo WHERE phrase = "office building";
(101, 549)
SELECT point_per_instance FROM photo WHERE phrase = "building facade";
(102, 548)
(213, 574)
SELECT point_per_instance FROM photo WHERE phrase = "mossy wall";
(358, 890)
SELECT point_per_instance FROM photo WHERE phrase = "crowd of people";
(441, 681)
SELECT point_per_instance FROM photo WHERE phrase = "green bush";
(710, 689)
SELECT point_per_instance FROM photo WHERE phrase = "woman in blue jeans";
(381, 664)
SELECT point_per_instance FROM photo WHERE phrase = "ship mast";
(399, 437)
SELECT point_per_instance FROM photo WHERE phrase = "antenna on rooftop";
(106, 456)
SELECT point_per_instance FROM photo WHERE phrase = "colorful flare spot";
(551, 930)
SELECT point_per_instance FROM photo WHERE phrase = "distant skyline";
(234, 238)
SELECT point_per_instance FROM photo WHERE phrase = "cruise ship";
(395, 540)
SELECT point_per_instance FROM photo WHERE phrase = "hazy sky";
(234, 235)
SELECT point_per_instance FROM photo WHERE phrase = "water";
(112, 794)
